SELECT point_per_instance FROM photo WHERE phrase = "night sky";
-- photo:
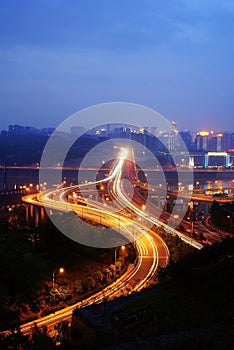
(175, 56)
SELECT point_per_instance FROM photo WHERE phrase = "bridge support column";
(27, 214)
(227, 161)
(31, 211)
(206, 160)
(36, 216)
(42, 213)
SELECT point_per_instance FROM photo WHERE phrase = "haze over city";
(58, 57)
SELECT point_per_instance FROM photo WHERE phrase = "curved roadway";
(151, 250)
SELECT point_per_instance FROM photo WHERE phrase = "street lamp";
(122, 248)
(61, 270)
(229, 219)
(189, 218)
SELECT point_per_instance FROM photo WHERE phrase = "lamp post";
(229, 219)
(61, 270)
(122, 248)
(189, 218)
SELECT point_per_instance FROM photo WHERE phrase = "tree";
(200, 236)
(15, 340)
(77, 287)
(63, 334)
(89, 283)
(41, 339)
(98, 275)
(64, 292)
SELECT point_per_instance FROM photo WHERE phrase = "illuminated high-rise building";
(202, 141)
(215, 142)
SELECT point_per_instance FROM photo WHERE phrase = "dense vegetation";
(27, 149)
(222, 215)
(28, 258)
(192, 308)
(177, 248)
(21, 150)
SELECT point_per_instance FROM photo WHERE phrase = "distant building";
(201, 141)
(187, 138)
(206, 141)
(23, 130)
(215, 143)
(168, 139)
(232, 141)
(226, 141)
(16, 130)
(4, 133)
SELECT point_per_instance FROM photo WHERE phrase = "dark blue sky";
(175, 56)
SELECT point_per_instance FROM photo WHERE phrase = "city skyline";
(48, 128)
(57, 58)
(181, 148)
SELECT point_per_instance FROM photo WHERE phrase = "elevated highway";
(151, 250)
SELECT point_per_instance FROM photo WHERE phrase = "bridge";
(151, 250)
